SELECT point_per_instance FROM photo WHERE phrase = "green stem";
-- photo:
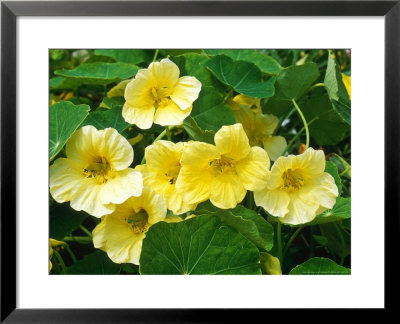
(343, 244)
(297, 135)
(345, 171)
(291, 240)
(304, 122)
(86, 231)
(227, 95)
(73, 257)
(155, 55)
(317, 85)
(168, 133)
(78, 239)
(311, 252)
(61, 261)
(162, 134)
(279, 240)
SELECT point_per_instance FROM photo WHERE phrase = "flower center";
(223, 165)
(292, 180)
(138, 222)
(99, 170)
(160, 96)
(172, 173)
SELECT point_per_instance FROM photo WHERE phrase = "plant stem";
(311, 252)
(73, 257)
(342, 256)
(304, 122)
(78, 239)
(86, 231)
(345, 171)
(291, 240)
(297, 135)
(162, 134)
(59, 258)
(279, 240)
(316, 85)
(155, 55)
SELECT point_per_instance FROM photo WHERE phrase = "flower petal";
(253, 171)
(165, 72)
(164, 155)
(141, 116)
(232, 141)
(65, 174)
(311, 161)
(193, 184)
(138, 90)
(302, 209)
(325, 190)
(87, 197)
(175, 201)
(199, 154)
(171, 114)
(127, 183)
(274, 202)
(116, 149)
(226, 190)
(274, 145)
(186, 91)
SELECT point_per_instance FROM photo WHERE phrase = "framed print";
(145, 140)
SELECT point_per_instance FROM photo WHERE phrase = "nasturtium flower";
(347, 83)
(259, 127)
(162, 169)
(95, 175)
(121, 233)
(298, 188)
(222, 172)
(157, 94)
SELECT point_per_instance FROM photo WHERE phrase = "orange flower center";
(160, 96)
(223, 165)
(100, 171)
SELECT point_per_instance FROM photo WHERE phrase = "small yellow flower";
(162, 169)
(121, 233)
(53, 243)
(224, 172)
(298, 188)
(347, 83)
(157, 94)
(95, 176)
(259, 127)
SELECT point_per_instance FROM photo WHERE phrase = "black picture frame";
(10, 10)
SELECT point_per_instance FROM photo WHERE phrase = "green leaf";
(64, 220)
(61, 83)
(176, 52)
(112, 102)
(333, 232)
(210, 112)
(321, 240)
(100, 73)
(336, 90)
(96, 263)
(243, 77)
(201, 245)
(246, 221)
(332, 169)
(104, 118)
(328, 129)
(196, 133)
(64, 119)
(295, 80)
(340, 211)
(319, 266)
(264, 62)
(132, 56)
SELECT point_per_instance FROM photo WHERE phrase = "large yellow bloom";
(259, 127)
(158, 95)
(95, 175)
(224, 172)
(121, 233)
(298, 188)
(347, 83)
(162, 169)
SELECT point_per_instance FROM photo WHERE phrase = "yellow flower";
(298, 188)
(224, 172)
(158, 95)
(95, 175)
(259, 127)
(53, 243)
(162, 169)
(347, 83)
(121, 233)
